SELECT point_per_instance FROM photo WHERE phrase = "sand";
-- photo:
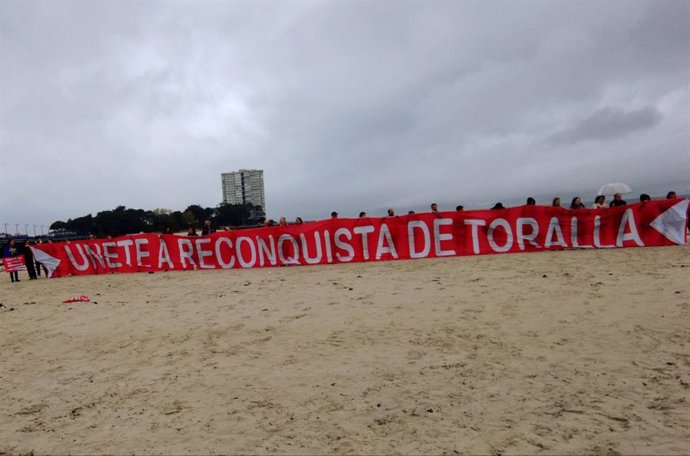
(551, 353)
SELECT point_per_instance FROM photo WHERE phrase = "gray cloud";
(606, 124)
(346, 105)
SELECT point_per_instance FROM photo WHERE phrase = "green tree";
(58, 225)
(199, 213)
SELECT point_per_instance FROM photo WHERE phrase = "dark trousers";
(14, 276)
(30, 269)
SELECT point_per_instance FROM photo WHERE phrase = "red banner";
(429, 235)
(14, 264)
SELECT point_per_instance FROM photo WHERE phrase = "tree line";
(121, 220)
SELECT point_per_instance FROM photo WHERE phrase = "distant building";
(244, 186)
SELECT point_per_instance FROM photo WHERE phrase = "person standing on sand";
(29, 260)
(38, 265)
(207, 229)
(577, 203)
(618, 201)
(11, 251)
(600, 202)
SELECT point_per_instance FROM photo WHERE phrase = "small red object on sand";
(82, 298)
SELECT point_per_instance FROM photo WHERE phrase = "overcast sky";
(345, 105)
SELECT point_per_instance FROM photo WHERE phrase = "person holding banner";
(37, 264)
(577, 203)
(600, 202)
(11, 251)
(29, 261)
(618, 201)
(207, 229)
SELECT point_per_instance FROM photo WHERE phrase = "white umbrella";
(613, 188)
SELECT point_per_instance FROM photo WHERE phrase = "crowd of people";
(15, 249)
(599, 203)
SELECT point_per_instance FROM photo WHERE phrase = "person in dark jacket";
(577, 203)
(207, 229)
(618, 201)
(11, 251)
(29, 260)
(38, 265)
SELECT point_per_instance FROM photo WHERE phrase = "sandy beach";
(555, 353)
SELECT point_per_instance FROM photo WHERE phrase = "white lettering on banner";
(305, 249)
(440, 237)
(265, 251)
(385, 235)
(363, 231)
(509, 235)
(186, 252)
(339, 233)
(426, 246)
(126, 243)
(554, 228)
(327, 242)
(475, 223)
(219, 257)
(164, 255)
(78, 266)
(573, 235)
(203, 253)
(110, 256)
(95, 255)
(240, 256)
(141, 253)
(281, 254)
(481, 232)
(628, 220)
(522, 222)
(597, 228)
